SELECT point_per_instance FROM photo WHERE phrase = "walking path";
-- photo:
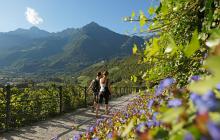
(63, 127)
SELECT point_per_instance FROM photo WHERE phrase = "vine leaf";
(193, 45)
(135, 49)
(143, 19)
(151, 10)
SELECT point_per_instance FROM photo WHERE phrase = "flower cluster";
(160, 116)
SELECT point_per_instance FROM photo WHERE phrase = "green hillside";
(68, 51)
(120, 69)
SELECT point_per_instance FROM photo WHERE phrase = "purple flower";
(150, 124)
(110, 122)
(195, 77)
(55, 138)
(174, 103)
(159, 90)
(218, 87)
(91, 129)
(141, 127)
(209, 96)
(95, 138)
(154, 117)
(122, 120)
(150, 103)
(142, 112)
(214, 130)
(167, 82)
(164, 84)
(206, 102)
(109, 136)
(194, 97)
(188, 136)
(99, 121)
(126, 115)
(157, 123)
(77, 137)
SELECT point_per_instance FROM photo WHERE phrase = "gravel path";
(63, 127)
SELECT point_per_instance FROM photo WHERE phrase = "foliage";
(120, 69)
(32, 104)
(183, 61)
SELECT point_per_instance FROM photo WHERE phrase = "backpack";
(95, 85)
(107, 92)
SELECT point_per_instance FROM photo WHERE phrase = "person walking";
(105, 92)
(95, 86)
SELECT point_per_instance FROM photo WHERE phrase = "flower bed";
(169, 113)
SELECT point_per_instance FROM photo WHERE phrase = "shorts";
(105, 96)
(96, 97)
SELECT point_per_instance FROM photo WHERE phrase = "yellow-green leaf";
(154, 48)
(128, 128)
(132, 14)
(135, 49)
(207, 84)
(203, 86)
(151, 10)
(143, 19)
(171, 114)
(193, 45)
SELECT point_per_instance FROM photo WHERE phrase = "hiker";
(105, 92)
(95, 89)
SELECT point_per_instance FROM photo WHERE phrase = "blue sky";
(56, 15)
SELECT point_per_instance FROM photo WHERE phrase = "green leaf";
(202, 87)
(195, 131)
(143, 19)
(135, 49)
(171, 114)
(151, 10)
(132, 14)
(159, 133)
(171, 47)
(214, 116)
(213, 63)
(134, 78)
(178, 136)
(155, 47)
(193, 46)
(128, 128)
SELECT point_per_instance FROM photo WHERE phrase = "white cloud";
(32, 16)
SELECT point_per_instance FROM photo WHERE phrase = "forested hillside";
(38, 51)
(121, 71)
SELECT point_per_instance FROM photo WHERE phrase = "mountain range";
(34, 50)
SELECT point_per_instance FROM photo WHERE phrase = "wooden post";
(8, 107)
(61, 98)
(85, 93)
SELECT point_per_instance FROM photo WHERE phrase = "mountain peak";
(34, 28)
(91, 25)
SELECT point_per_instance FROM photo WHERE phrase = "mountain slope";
(67, 51)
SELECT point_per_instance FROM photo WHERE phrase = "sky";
(57, 15)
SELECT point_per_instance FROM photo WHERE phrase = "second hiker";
(94, 85)
(105, 92)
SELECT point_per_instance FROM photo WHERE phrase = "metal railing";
(16, 110)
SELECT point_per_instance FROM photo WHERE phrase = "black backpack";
(95, 86)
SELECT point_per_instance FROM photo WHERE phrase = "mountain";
(34, 50)
(33, 32)
(12, 41)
